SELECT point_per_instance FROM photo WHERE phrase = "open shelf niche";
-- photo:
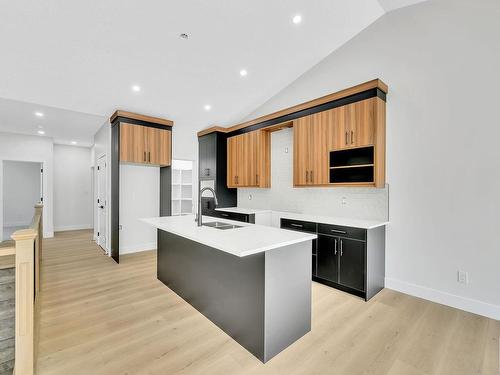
(354, 165)
(182, 187)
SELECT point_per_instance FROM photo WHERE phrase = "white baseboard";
(137, 248)
(444, 298)
(72, 227)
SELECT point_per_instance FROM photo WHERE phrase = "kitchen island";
(252, 281)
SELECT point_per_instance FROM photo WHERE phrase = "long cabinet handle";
(257, 178)
(341, 248)
(335, 246)
(310, 176)
(296, 225)
(307, 176)
(338, 231)
(346, 136)
(352, 137)
(144, 155)
(149, 156)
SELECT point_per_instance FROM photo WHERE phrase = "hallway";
(98, 317)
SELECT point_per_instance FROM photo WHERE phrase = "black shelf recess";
(352, 165)
(351, 157)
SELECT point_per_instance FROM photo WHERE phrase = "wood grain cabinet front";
(248, 160)
(145, 145)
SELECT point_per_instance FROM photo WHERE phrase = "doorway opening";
(22, 188)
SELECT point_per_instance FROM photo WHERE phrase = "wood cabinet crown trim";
(373, 84)
(139, 117)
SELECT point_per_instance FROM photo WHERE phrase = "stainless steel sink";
(220, 225)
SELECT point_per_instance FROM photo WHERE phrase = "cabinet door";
(338, 129)
(232, 161)
(247, 159)
(301, 147)
(327, 258)
(158, 145)
(207, 155)
(352, 264)
(318, 148)
(360, 118)
(132, 143)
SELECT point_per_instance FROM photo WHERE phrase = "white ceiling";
(77, 60)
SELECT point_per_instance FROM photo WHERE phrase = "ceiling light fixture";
(136, 88)
(243, 72)
(184, 36)
(73, 142)
(39, 114)
(41, 132)
(207, 107)
(297, 19)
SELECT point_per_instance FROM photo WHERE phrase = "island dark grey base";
(262, 301)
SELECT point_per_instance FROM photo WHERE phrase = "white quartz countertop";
(343, 221)
(247, 240)
(346, 222)
(247, 211)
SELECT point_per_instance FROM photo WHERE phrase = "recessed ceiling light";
(184, 36)
(207, 107)
(243, 72)
(297, 19)
(73, 142)
(41, 132)
(136, 88)
(39, 114)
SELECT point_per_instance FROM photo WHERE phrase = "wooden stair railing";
(28, 254)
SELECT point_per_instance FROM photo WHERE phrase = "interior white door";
(102, 209)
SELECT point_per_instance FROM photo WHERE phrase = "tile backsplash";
(356, 203)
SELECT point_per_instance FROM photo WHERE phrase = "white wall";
(34, 149)
(357, 203)
(72, 188)
(139, 198)
(21, 191)
(440, 60)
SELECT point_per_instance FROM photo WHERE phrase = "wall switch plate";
(463, 277)
(120, 227)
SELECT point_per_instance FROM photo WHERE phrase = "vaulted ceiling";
(76, 61)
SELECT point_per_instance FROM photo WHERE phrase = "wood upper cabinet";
(310, 140)
(248, 160)
(356, 124)
(159, 145)
(132, 143)
(145, 145)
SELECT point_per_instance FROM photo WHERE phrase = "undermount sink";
(220, 225)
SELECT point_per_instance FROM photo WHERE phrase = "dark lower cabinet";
(327, 258)
(352, 263)
(349, 259)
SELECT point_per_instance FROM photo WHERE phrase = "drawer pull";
(338, 231)
(296, 225)
(225, 215)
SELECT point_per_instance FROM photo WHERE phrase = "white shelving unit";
(182, 187)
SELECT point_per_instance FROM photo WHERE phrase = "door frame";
(97, 223)
(43, 187)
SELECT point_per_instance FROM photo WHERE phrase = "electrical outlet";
(286, 150)
(120, 227)
(344, 201)
(463, 277)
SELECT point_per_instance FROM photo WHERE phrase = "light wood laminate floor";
(98, 317)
